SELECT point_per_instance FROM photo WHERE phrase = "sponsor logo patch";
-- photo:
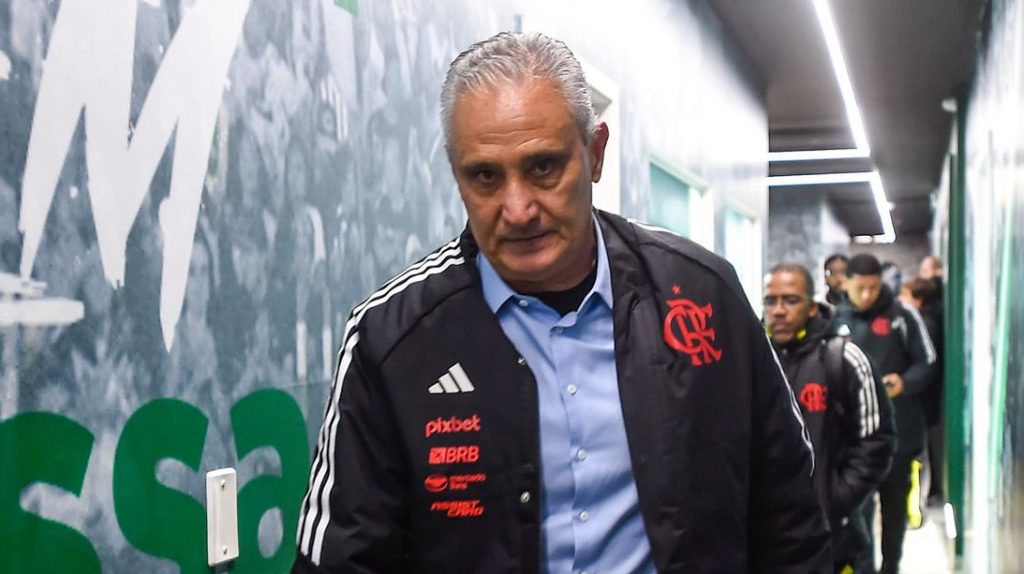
(451, 425)
(454, 454)
(440, 482)
(458, 508)
(686, 330)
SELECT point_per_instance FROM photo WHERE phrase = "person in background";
(931, 268)
(835, 281)
(844, 404)
(835, 278)
(557, 389)
(925, 293)
(892, 276)
(894, 336)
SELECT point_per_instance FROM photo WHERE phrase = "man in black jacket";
(844, 404)
(557, 389)
(894, 336)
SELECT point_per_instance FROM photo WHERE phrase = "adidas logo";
(452, 382)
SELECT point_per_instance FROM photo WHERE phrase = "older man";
(557, 389)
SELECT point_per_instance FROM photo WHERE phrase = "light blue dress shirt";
(591, 521)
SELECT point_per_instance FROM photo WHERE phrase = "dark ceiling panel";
(904, 58)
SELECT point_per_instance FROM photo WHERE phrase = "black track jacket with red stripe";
(429, 456)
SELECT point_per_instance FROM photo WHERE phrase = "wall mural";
(194, 193)
(179, 185)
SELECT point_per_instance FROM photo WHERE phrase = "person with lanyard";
(557, 389)
(844, 404)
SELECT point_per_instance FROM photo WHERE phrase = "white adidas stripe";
(453, 382)
(316, 507)
(385, 291)
(869, 417)
(794, 407)
(461, 378)
(929, 348)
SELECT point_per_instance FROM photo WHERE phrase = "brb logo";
(452, 425)
(686, 330)
(454, 454)
(813, 397)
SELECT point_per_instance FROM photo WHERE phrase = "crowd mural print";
(193, 194)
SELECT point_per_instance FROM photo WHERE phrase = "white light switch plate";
(221, 516)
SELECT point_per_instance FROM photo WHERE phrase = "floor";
(925, 550)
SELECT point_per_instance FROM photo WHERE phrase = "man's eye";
(544, 167)
(485, 176)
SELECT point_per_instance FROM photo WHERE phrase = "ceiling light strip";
(817, 155)
(835, 53)
(853, 115)
(820, 179)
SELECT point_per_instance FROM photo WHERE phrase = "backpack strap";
(833, 359)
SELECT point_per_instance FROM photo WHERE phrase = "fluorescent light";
(817, 155)
(820, 178)
(877, 192)
(860, 136)
(882, 205)
(835, 53)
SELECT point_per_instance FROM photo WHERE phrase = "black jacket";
(894, 336)
(429, 457)
(850, 420)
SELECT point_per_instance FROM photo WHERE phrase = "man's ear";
(597, 152)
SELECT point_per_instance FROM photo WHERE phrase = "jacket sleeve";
(787, 532)
(351, 521)
(867, 419)
(923, 368)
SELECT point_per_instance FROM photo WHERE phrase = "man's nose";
(519, 206)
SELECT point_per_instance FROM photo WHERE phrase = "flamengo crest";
(686, 330)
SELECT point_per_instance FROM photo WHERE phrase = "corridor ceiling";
(904, 56)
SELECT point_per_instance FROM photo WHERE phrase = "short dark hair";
(787, 267)
(863, 264)
(921, 289)
(835, 257)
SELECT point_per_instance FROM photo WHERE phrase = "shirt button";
(558, 330)
(584, 516)
(581, 454)
(571, 389)
(525, 497)
(524, 303)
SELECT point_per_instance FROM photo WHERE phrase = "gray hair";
(511, 57)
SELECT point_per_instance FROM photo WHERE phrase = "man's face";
(929, 269)
(835, 276)
(525, 176)
(863, 290)
(787, 308)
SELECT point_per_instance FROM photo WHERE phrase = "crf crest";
(686, 330)
(814, 398)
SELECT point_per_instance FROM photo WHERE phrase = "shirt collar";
(497, 292)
